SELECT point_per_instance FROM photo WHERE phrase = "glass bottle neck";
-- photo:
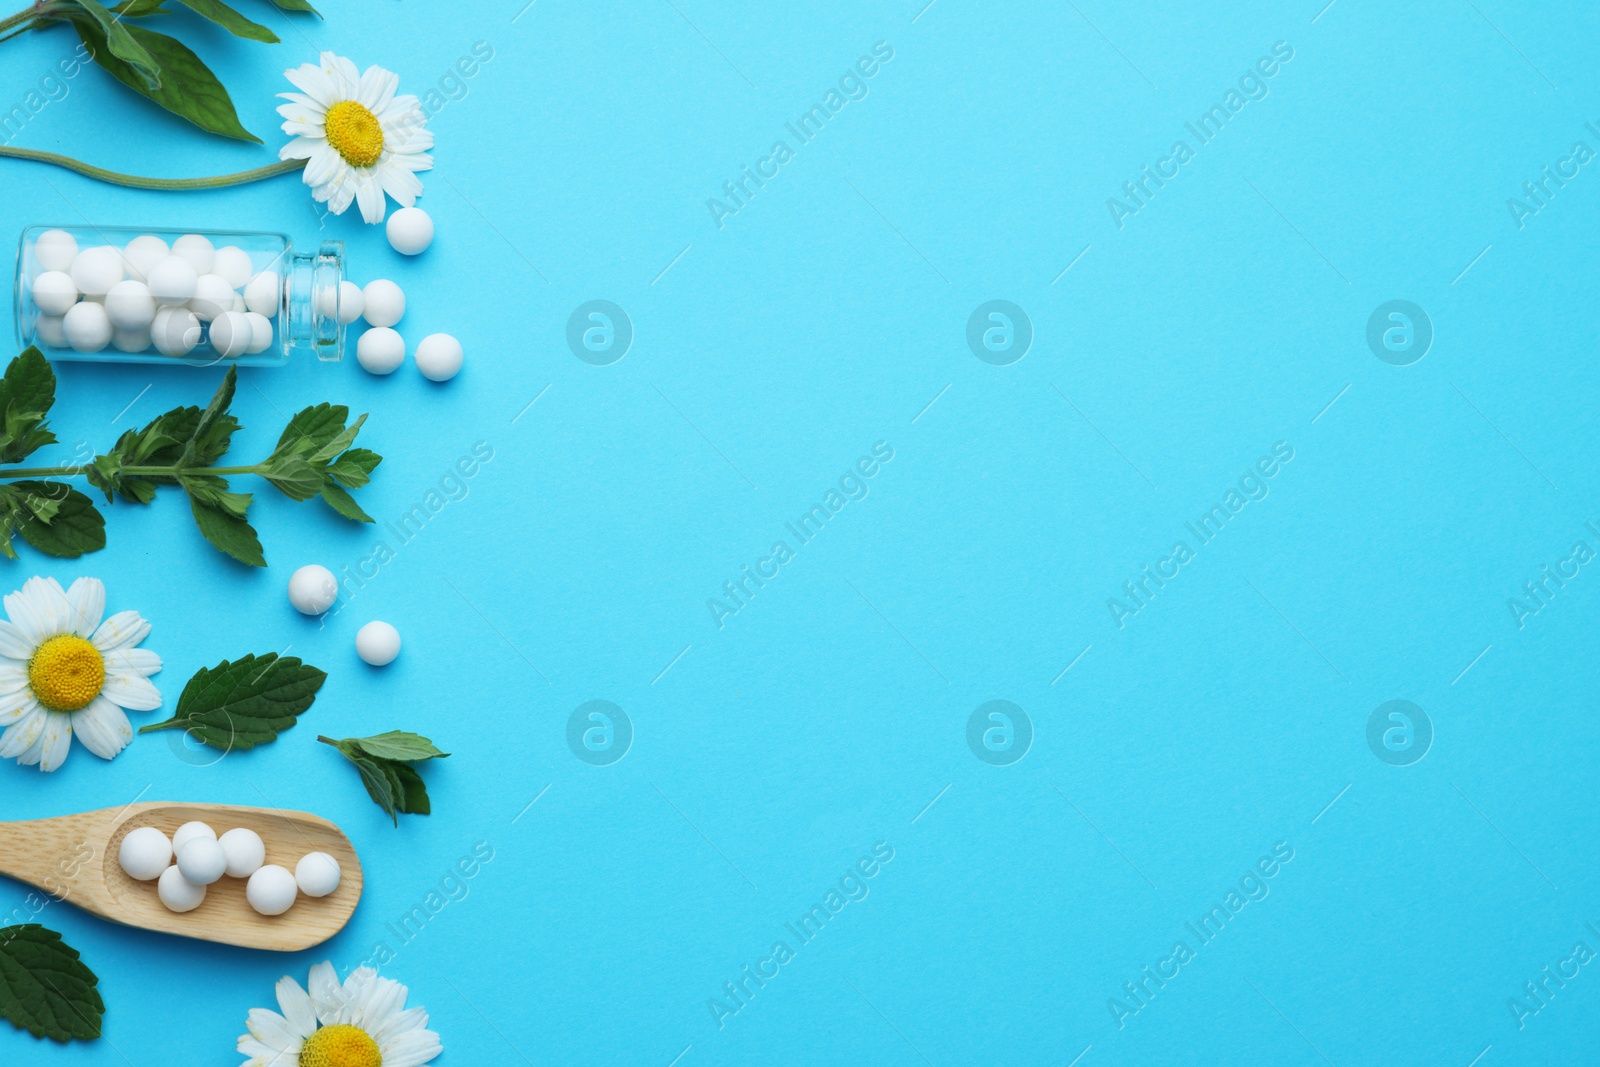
(310, 309)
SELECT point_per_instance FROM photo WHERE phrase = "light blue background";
(826, 715)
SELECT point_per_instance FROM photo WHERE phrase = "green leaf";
(341, 441)
(26, 395)
(74, 527)
(228, 532)
(214, 430)
(343, 503)
(384, 763)
(354, 468)
(122, 44)
(244, 703)
(294, 477)
(45, 988)
(230, 20)
(396, 745)
(188, 89)
(311, 429)
(296, 5)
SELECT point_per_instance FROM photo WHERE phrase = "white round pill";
(55, 250)
(212, 296)
(378, 643)
(438, 357)
(136, 340)
(385, 303)
(54, 292)
(261, 294)
(144, 853)
(348, 299)
(317, 874)
(177, 892)
(189, 831)
(130, 305)
(231, 334)
(245, 851)
(380, 350)
(260, 332)
(87, 327)
(200, 252)
(232, 263)
(142, 254)
(175, 331)
(51, 330)
(202, 860)
(313, 589)
(271, 890)
(97, 269)
(410, 230)
(172, 281)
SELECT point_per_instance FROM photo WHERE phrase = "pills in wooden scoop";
(144, 853)
(271, 890)
(317, 874)
(244, 851)
(203, 859)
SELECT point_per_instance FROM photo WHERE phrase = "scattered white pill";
(231, 334)
(51, 330)
(144, 853)
(212, 296)
(438, 357)
(271, 890)
(199, 251)
(317, 874)
(177, 892)
(245, 852)
(260, 332)
(349, 302)
(172, 281)
(232, 263)
(55, 250)
(410, 231)
(261, 294)
(131, 340)
(313, 589)
(378, 643)
(54, 292)
(142, 254)
(97, 269)
(175, 331)
(380, 350)
(87, 327)
(188, 832)
(385, 303)
(130, 305)
(202, 860)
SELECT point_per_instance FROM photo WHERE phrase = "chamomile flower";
(362, 1023)
(359, 139)
(63, 671)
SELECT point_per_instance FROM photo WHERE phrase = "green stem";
(286, 166)
(15, 473)
(26, 15)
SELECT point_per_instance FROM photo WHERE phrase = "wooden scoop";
(74, 858)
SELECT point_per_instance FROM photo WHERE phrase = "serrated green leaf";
(230, 533)
(343, 503)
(76, 526)
(214, 430)
(26, 394)
(380, 787)
(384, 762)
(188, 89)
(246, 702)
(354, 469)
(396, 745)
(122, 44)
(311, 429)
(45, 988)
(341, 441)
(294, 477)
(230, 20)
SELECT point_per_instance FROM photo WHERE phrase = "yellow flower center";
(340, 1046)
(66, 673)
(354, 133)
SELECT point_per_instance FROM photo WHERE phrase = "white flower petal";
(384, 999)
(274, 1037)
(326, 996)
(54, 744)
(15, 644)
(378, 87)
(87, 598)
(410, 1049)
(343, 73)
(401, 1023)
(324, 165)
(102, 727)
(297, 1007)
(14, 708)
(122, 630)
(140, 661)
(369, 194)
(21, 735)
(131, 691)
(39, 609)
(314, 83)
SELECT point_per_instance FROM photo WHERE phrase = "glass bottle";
(197, 297)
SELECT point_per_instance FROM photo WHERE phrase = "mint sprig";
(245, 702)
(384, 762)
(179, 448)
(45, 988)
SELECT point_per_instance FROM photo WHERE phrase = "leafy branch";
(385, 763)
(313, 457)
(158, 67)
